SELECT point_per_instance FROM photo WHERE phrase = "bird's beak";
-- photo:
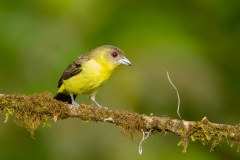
(124, 61)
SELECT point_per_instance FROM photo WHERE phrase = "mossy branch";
(32, 111)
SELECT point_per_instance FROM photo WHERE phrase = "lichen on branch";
(41, 109)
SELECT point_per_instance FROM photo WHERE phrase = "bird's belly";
(85, 83)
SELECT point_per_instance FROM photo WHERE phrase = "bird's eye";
(114, 54)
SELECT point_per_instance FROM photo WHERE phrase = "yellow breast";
(89, 80)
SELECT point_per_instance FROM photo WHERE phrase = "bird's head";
(112, 56)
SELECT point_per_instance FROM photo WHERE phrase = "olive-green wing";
(74, 68)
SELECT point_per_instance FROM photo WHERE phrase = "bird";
(87, 73)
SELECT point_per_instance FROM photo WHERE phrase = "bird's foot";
(75, 104)
(106, 108)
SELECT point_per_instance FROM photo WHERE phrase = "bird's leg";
(92, 98)
(97, 103)
(73, 102)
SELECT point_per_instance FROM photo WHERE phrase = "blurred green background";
(196, 41)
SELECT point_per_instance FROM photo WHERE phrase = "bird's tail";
(64, 97)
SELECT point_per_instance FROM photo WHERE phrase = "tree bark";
(40, 109)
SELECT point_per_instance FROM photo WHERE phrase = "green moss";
(40, 109)
(209, 133)
(31, 111)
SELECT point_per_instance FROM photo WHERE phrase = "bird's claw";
(74, 104)
(106, 108)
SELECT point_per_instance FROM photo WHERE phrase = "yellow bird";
(88, 73)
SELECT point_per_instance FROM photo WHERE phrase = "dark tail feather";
(64, 97)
